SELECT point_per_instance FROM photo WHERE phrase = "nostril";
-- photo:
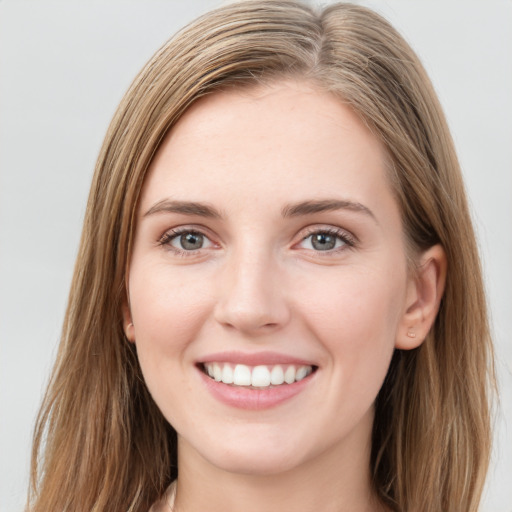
(251, 301)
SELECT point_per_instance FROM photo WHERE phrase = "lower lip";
(254, 399)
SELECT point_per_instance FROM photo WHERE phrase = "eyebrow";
(185, 208)
(292, 210)
(325, 205)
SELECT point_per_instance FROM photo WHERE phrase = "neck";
(337, 480)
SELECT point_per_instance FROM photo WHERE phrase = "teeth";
(261, 376)
(301, 373)
(242, 375)
(227, 374)
(277, 375)
(289, 375)
(217, 372)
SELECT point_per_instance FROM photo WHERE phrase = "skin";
(259, 284)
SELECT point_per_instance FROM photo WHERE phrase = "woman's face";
(268, 251)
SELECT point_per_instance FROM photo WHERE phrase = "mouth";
(257, 377)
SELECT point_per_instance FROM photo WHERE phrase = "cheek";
(168, 308)
(364, 301)
(356, 316)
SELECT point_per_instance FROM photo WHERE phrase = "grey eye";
(191, 241)
(323, 241)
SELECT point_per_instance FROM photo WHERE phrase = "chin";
(257, 454)
(257, 464)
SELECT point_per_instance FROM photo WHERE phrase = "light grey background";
(64, 66)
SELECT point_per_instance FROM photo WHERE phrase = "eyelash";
(348, 240)
(166, 239)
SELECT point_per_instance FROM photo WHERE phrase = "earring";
(411, 334)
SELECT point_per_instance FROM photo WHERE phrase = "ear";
(424, 293)
(128, 327)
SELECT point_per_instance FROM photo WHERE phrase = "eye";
(326, 240)
(185, 240)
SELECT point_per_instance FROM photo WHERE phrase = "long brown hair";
(100, 442)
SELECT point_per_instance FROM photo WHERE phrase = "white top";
(166, 504)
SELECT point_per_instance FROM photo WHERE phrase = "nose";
(252, 296)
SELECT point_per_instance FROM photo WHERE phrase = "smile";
(256, 377)
(256, 381)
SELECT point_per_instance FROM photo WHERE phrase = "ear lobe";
(424, 294)
(128, 327)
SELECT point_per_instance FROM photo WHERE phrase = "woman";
(278, 295)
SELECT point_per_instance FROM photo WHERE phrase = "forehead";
(280, 139)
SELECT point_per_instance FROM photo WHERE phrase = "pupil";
(191, 241)
(323, 241)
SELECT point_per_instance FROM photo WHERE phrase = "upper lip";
(254, 358)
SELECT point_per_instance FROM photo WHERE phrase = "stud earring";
(411, 334)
